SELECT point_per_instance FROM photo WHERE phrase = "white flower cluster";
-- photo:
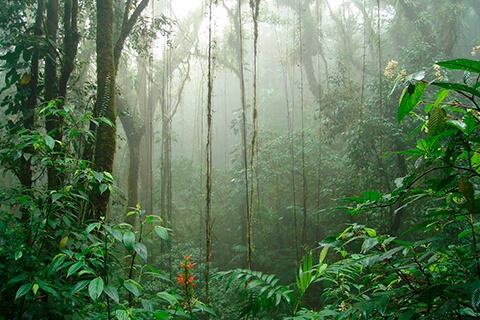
(392, 64)
(475, 50)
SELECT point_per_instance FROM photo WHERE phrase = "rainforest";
(233, 159)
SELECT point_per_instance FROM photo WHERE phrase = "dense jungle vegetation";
(230, 159)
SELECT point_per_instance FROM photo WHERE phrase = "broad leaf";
(162, 233)
(23, 290)
(133, 287)
(79, 286)
(461, 64)
(121, 314)
(129, 239)
(410, 98)
(112, 292)
(141, 250)
(457, 87)
(95, 288)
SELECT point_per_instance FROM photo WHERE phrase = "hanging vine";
(304, 177)
(244, 123)
(254, 6)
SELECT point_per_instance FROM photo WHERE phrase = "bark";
(24, 172)
(127, 26)
(51, 90)
(105, 104)
(134, 131)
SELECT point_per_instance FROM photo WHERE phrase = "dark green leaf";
(461, 64)
(74, 268)
(410, 98)
(79, 286)
(23, 290)
(457, 87)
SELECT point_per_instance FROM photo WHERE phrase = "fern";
(257, 291)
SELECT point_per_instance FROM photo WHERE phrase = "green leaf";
(168, 298)
(129, 239)
(162, 315)
(57, 262)
(95, 288)
(18, 254)
(441, 95)
(368, 244)
(461, 64)
(79, 286)
(121, 314)
(371, 232)
(430, 293)
(74, 268)
(141, 250)
(201, 306)
(44, 286)
(457, 87)
(98, 176)
(371, 195)
(162, 233)
(103, 187)
(56, 196)
(410, 98)
(23, 290)
(437, 121)
(112, 292)
(50, 142)
(91, 226)
(35, 289)
(323, 254)
(133, 287)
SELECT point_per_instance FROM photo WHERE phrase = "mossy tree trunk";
(105, 104)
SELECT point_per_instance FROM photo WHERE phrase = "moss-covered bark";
(105, 105)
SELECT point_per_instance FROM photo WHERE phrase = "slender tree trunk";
(24, 172)
(208, 184)
(246, 213)
(51, 90)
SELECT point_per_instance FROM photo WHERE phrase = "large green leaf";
(112, 292)
(141, 250)
(74, 268)
(410, 98)
(457, 87)
(23, 290)
(95, 288)
(461, 64)
(133, 287)
(129, 239)
(79, 286)
(162, 233)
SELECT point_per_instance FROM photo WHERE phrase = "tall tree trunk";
(28, 113)
(51, 90)
(134, 132)
(246, 213)
(105, 104)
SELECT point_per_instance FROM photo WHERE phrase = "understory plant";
(432, 270)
